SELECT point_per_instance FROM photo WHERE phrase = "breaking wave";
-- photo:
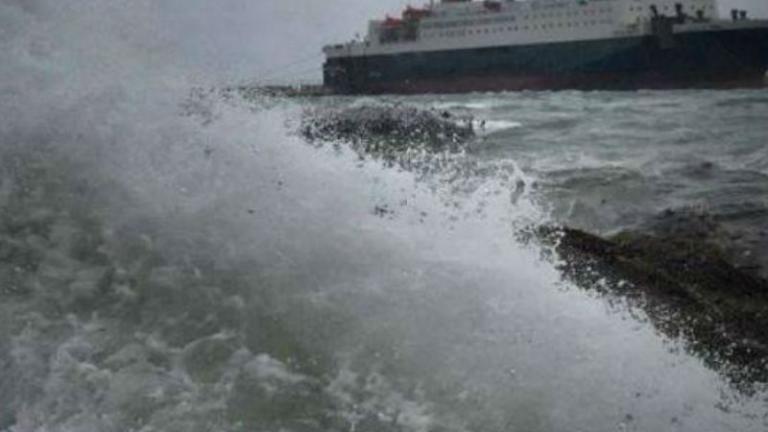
(162, 271)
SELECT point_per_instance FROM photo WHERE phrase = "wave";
(209, 270)
(213, 284)
(742, 101)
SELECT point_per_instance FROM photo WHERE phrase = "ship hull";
(705, 59)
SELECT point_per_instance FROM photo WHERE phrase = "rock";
(686, 286)
(739, 243)
(383, 128)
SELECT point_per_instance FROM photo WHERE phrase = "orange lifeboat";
(390, 22)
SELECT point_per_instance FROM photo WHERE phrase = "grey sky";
(281, 39)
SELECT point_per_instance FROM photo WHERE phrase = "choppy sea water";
(180, 274)
(611, 161)
(161, 271)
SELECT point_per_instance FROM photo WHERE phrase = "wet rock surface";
(743, 242)
(386, 130)
(683, 278)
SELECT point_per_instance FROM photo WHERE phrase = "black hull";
(711, 59)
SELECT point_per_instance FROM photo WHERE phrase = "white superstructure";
(460, 24)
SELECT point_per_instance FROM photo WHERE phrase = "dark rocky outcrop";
(386, 130)
(685, 283)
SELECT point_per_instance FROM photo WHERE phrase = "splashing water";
(163, 273)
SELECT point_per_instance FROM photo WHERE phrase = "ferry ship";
(454, 46)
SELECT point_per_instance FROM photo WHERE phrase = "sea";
(171, 262)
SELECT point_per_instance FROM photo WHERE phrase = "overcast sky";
(280, 40)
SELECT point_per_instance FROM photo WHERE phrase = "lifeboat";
(390, 22)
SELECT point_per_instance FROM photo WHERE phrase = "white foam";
(252, 276)
(491, 126)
